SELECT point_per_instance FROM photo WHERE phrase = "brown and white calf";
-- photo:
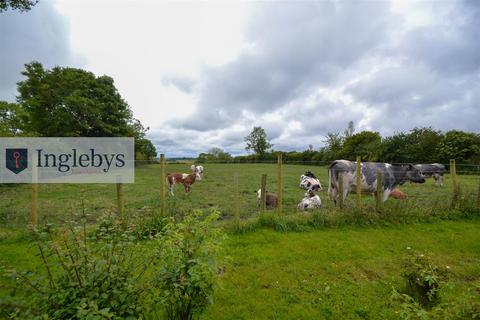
(184, 178)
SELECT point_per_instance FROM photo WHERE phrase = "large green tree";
(70, 102)
(257, 141)
(459, 145)
(365, 144)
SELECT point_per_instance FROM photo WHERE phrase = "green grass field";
(342, 271)
(56, 201)
(338, 274)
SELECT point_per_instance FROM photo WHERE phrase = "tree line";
(419, 145)
(70, 102)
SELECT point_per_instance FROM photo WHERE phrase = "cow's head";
(414, 175)
(198, 171)
(310, 193)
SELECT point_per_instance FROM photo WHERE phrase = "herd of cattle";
(393, 176)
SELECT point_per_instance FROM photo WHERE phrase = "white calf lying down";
(311, 201)
(309, 181)
(271, 199)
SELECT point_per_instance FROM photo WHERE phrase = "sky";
(203, 74)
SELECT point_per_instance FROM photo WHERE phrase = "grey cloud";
(427, 76)
(183, 83)
(40, 34)
(295, 48)
(451, 46)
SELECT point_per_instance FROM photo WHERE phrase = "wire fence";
(230, 188)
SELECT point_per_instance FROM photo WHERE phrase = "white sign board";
(67, 160)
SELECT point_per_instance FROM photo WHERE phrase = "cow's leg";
(385, 195)
(170, 185)
(332, 194)
(345, 192)
(437, 178)
(440, 180)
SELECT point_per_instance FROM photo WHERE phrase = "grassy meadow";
(57, 201)
(333, 265)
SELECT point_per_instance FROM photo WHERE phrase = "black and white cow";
(435, 170)
(393, 175)
(309, 181)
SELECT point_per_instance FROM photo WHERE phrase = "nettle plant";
(86, 278)
(423, 278)
(189, 253)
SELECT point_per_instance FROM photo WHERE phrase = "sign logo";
(16, 160)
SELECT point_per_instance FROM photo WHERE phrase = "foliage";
(22, 5)
(257, 141)
(365, 144)
(459, 145)
(423, 278)
(69, 102)
(84, 280)
(214, 155)
(144, 150)
(333, 146)
(146, 223)
(409, 309)
(418, 146)
(189, 262)
(9, 119)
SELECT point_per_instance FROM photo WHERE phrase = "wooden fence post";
(162, 185)
(34, 216)
(120, 207)
(263, 204)
(379, 198)
(279, 183)
(453, 175)
(340, 189)
(237, 197)
(34, 213)
(358, 187)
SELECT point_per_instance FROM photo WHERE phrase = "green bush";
(466, 308)
(85, 278)
(423, 278)
(188, 254)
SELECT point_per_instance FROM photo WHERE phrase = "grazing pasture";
(215, 190)
(336, 264)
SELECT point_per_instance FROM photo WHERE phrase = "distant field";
(215, 190)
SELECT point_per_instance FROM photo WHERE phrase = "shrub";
(465, 308)
(189, 253)
(423, 278)
(84, 279)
